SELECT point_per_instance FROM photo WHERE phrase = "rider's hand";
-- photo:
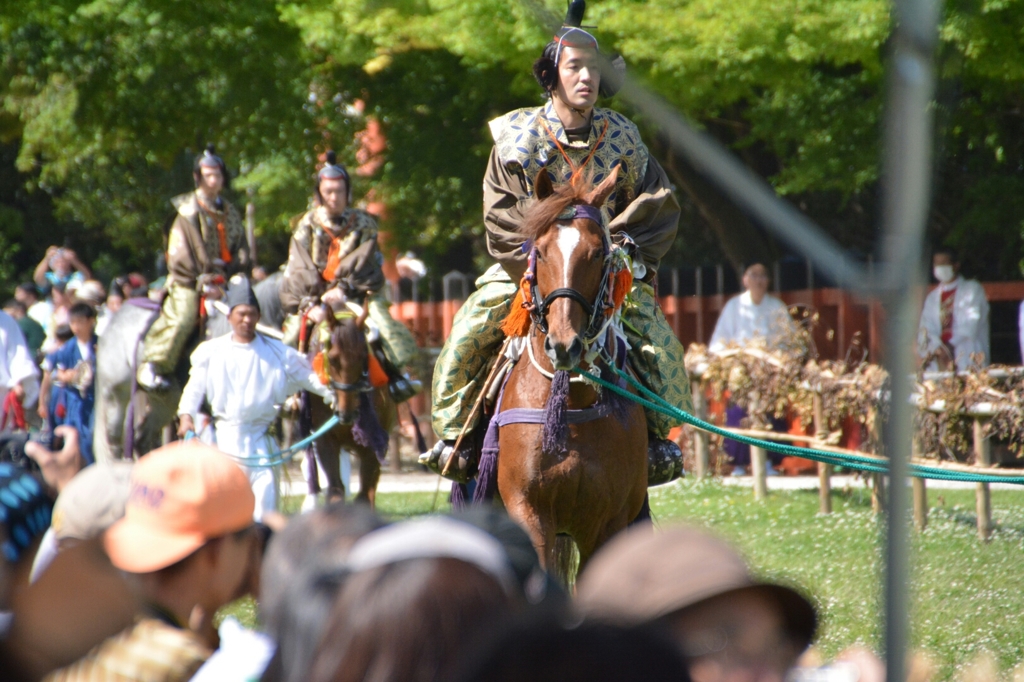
(333, 298)
(19, 391)
(185, 424)
(316, 315)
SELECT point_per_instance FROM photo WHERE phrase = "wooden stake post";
(759, 470)
(983, 497)
(824, 470)
(920, 493)
(700, 438)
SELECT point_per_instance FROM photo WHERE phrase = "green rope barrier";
(653, 401)
(273, 459)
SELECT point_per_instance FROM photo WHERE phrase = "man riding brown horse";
(568, 135)
(206, 240)
(334, 250)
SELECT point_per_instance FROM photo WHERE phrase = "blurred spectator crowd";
(48, 332)
(122, 577)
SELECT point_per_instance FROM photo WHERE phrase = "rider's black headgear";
(571, 34)
(210, 159)
(333, 170)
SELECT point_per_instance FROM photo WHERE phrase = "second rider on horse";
(568, 135)
(334, 254)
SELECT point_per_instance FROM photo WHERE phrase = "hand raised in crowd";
(58, 466)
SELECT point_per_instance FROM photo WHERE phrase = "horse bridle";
(361, 386)
(593, 310)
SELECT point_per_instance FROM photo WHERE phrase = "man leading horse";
(567, 135)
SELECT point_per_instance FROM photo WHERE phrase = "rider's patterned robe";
(642, 206)
(196, 242)
(303, 276)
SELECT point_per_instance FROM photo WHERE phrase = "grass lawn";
(967, 597)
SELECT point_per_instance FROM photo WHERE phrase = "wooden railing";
(693, 318)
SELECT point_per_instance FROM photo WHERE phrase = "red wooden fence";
(693, 318)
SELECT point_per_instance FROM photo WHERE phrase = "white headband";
(432, 538)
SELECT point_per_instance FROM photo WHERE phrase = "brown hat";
(91, 501)
(643, 575)
(182, 495)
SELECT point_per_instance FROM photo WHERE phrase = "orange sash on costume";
(225, 253)
(333, 260)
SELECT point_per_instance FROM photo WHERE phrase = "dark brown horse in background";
(595, 484)
(366, 414)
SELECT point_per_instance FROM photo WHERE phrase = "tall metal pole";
(906, 176)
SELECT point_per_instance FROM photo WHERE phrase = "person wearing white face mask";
(955, 316)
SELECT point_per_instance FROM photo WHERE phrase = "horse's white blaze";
(568, 240)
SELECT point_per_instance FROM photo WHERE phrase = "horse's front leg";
(328, 454)
(369, 477)
(542, 534)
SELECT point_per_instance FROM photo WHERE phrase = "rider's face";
(578, 77)
(334, 195)
(211, 180)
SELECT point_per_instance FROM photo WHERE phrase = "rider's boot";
(401, 386)
(664, 461)
(437, 458)
(150, 379)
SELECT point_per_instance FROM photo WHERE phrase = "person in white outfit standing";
(955, 316)
(245, 376)
(754, 314)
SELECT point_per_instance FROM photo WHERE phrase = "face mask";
(943, 273)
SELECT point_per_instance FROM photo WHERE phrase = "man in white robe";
(754, 313)
(955, 316)
(751, 315)
(244, 377)
(18, 372)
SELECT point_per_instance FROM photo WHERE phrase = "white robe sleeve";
(19, 368)
(725, 328)
(301, 375)
(970, 324)
(195, 389)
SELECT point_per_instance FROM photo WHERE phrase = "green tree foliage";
(108, 99)
(111, 98)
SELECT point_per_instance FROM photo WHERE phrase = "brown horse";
(366, 414)
(593, 483)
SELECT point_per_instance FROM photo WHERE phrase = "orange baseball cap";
(182, 495)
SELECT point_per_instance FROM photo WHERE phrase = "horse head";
(569, 263)
(348, 362)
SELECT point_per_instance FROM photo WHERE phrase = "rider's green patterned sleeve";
(657, 357)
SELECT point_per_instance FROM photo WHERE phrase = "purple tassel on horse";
(556, 427)
(367, 430)
(459, 496)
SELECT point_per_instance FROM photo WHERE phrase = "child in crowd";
(70, 370)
